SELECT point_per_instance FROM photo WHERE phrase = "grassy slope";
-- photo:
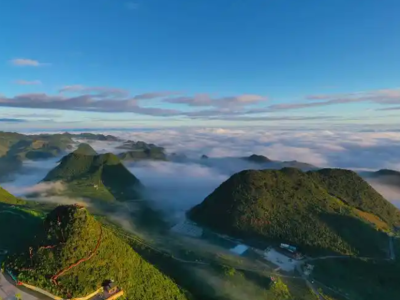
(6, 197)
(114, 260)
(352, 189)
(101, 177)
(85, 149)
(290, 206)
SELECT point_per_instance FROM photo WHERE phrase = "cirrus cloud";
(27, 82)
(206, 100)
(26, 62)
(382, 97)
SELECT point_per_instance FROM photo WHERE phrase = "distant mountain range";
(384, 176)
(93, 137)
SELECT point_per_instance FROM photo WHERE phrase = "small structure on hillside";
(291, 251)
(284, 262)
(111, 290)
(289, 248)
(239, 249)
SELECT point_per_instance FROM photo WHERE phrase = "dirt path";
(309, 284)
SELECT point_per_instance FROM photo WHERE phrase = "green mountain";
(92, 136)
(325, 211)
(147, 154)
(74, 254)
(139, 145)
(85, 149)
(8, 166)
(384, 176)
(33, 147)
(98, 177)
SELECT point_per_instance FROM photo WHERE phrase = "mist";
(389, 191)
(174, 187)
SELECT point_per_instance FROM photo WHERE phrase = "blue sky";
(153, 63)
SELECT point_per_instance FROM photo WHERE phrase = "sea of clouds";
(175, 187)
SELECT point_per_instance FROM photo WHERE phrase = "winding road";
(8, 290)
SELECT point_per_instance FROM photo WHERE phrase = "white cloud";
(26, 62)
(228, 102)
(27, 82)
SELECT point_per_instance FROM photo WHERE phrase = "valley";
(209, 260)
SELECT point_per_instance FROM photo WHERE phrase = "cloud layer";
(174, 187)
(206, 100)
(244, 107)
(383, 97)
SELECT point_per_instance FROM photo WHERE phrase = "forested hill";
(70, 235)
(100, 177)
(6, 197)
(325, 211)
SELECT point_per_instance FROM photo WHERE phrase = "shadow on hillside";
(362, 237)
(117, 178)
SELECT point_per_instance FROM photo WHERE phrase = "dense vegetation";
(301, 208)
(139, 145)
(33, 147)
(15, 147)
(74, 234)
(17, 228)
(85, 149)
(147, 154)
(92, 136)
(100, 177)
(359, 279)
(354, 191)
